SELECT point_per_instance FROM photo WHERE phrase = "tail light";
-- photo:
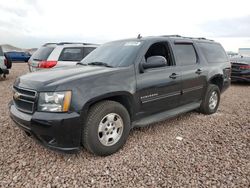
(245, 67)
(227, 72)
(47, 64)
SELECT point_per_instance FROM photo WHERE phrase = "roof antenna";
(139, 36)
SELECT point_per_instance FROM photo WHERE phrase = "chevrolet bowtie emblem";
(16, 95)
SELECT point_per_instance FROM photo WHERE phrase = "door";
(193, 77)
(158, 89)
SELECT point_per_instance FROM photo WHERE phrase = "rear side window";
(1, 51)
(87, 50)
(185, 54)
(71, 54)
(213, 52)
(42, 53)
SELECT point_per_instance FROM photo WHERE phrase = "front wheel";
(107, 128)
(211, 100)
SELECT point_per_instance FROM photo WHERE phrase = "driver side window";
(159, 49)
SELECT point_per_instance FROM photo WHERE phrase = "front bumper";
(241, 76)
(59, 131)
(4, 71)
(240, 79)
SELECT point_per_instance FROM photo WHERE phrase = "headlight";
(54, 101)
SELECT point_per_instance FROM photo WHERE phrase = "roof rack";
(63, 43)
(198, 38)
(49, 43)
(171, 36)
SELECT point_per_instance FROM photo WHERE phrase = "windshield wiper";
(97, 63)
(80, 63)
(36, 59)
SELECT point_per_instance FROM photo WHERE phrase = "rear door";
(193, 75)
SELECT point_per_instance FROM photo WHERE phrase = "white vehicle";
(5, 64)
(53, 55)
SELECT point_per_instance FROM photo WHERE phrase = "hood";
(55, 77)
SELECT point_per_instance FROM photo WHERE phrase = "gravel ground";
(214, 151)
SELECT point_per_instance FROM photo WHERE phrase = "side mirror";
(155, 62)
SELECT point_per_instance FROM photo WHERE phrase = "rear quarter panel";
(2, 65)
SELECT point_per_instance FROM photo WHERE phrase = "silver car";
(53, 55)
(4, 64)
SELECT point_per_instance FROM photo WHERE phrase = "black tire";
(9, 61)
(90, 135)
(205, 108)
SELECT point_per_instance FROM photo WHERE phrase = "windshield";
(114, 54)
(42, 53)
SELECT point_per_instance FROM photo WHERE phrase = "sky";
(31, 23)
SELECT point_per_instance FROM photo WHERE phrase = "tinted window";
(1, 51)
(87, 50)
(213, 52)
(42, 53)
(115, 54)
(185, 54)
(159, 49)
(71, 54)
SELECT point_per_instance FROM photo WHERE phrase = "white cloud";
(33, 22)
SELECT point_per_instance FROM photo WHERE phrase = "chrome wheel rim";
(213, 100)
(110, 129)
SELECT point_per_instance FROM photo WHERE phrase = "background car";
(62, 54)
(240, 68)
(5, 63)
(19, 56)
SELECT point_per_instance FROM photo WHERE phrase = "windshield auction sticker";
(132, 43)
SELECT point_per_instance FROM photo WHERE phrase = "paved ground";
(214, 152)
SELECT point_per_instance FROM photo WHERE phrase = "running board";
(165, 115)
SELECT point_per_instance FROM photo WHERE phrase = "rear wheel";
(107, 128)
(211, 100)
(8, 61)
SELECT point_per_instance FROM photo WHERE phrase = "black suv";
(120, 85)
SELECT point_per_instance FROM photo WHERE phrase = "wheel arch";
(217, 80)
(124, 98)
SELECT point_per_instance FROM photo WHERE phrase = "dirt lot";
(214, 152)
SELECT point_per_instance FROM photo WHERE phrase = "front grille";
(24, 99)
